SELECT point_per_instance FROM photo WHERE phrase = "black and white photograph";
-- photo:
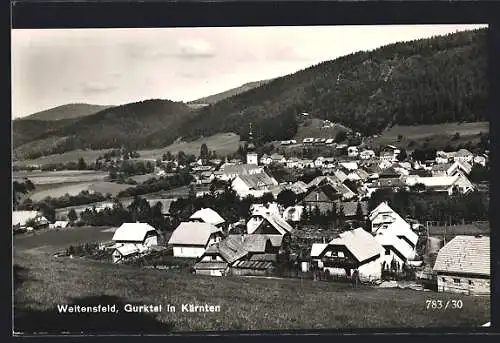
(223, 179)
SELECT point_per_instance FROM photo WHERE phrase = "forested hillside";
(437, 80)
(428, 81)
(68, 111)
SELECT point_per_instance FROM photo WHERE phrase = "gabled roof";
(278, 223)
(230, 249)
(465, 254)
(399, 229)
(463, 153)
(241, 169)
(388, 183)
(438, 181)
(383, 207)
(390, 239)
(193, 233)
(317, 249)
(360, 243)
(441, 167)
(257, 181)
(133, 232)
(207, 215)
(349, 165)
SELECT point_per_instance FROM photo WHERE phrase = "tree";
(360, 216)
(402, 156)
(181, 158)
(286, 198)
(341, 136)
(267, 197)
(72, 216)
(81, 164)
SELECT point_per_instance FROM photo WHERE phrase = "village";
(338, 226)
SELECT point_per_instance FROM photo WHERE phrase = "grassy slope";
(246, 303)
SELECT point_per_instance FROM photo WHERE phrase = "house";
(451, 169)
(240, 255)
(126, 252)
(209, 216)
(358, 175)
(329, 162)
(384, 220)
(396, 252)
(265, 160)
(268, 223)
(366, 154)
(442, 157)
(191, 239)
(316, 250)
(384, 183)
(464, 155)
(352, 151)
(254, 184)
(463, 266)
(308, 140)
(277, 158)
(230, 171)
(318, 162)
(306, 163)
(349, 165)
(61, 224)
(329, 141)
(22, 219)
(480, 159)
(389, 153)
(294, 163)
(136, 234)
(354, 252)
(447, 184)
(298, 187)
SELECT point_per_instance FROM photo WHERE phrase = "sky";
(117, 66)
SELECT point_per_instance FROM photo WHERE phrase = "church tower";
(252, 157)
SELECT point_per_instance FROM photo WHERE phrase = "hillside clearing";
(222, 143)
(69, 156)
(103, 187)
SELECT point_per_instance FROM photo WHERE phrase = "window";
(340, 254)
(214, 257)
(456, 280)
(443, 279)
(470, 282)
(387, 251)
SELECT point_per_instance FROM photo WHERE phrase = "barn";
(191, 239)
(463, 266)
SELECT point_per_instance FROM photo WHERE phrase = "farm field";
(69, 156)
(103, 187)
(246, 303)
(222, 144)
(437, 134)
(60, 177)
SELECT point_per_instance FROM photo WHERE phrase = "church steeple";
(252, 157)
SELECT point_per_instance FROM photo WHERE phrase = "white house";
(191, 239)
(480, 159)
(352, 151)
(207, 215)
(367, 154)
(464, 155)
(390, 153)
(293, 163)
(318, 162)
(230, 171)
(277, 158)
(353, 252)
(447, 183)
(255, 184)
(442, 157)
(137, 234)
(349, 165)
(265, 160)
(270, 224)
(315, 254)
(451, 169)
(463, 266)
(384, 220)
(396, 252)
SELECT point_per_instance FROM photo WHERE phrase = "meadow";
(60, 177)
(103, 187)
(42, 282)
